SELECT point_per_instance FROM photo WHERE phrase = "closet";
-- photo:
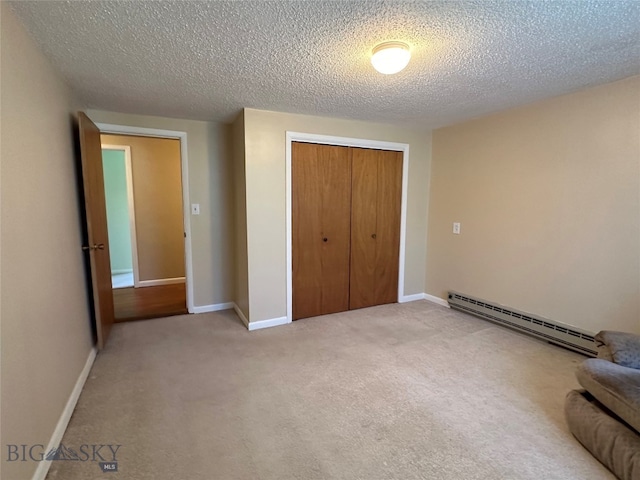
(346, 204)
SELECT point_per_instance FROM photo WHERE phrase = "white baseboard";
(58, 432)
(213, 308)
(241, 315)
(160, 281)
(424, 296)
(438, 300)
(411, 298)
(272, 322)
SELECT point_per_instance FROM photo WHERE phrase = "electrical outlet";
(456, 228)
(195, 209)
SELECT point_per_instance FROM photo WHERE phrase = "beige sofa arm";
(619, 347)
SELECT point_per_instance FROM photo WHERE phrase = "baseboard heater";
(554, 332)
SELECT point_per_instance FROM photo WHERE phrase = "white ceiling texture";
(207, 60)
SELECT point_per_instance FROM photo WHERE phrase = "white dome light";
(390, 57)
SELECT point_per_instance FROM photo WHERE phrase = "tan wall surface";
(549, 200)
(157, 195)
(266, 217)
(242, 270)
(46, 332)
(210, 166)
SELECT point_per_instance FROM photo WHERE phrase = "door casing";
(344, 142)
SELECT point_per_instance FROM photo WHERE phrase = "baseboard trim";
(433, 299)
(424, 296)
(272, 322)
(161, 281)
(411, 298)
(213, 308)
(241, 315)
(63, 422)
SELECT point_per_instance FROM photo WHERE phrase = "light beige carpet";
(413, 391)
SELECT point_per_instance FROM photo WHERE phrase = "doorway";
(346, 207)
(145, 220)
(121, 224)
(292, 137)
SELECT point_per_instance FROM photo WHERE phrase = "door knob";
(325, 239)
(95, 246)
(373, 235)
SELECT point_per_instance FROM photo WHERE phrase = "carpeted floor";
(412, 391)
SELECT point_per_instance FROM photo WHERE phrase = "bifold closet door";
(321, 218)
(376, 183)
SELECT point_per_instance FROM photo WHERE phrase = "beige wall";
(241, 297)
(46, 333)
(210, 164)
(549, 200)
(157, 194)
(265, 183)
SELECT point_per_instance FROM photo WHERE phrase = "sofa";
(605, 416)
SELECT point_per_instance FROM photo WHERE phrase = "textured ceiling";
(207, 60)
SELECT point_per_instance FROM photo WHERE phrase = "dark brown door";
(376, 182)
(321, 217)
(96, 213)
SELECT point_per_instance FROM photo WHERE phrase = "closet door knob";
(373, 235)
(325, 239)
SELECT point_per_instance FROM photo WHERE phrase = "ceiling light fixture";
(390, 57)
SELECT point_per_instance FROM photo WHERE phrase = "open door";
(96, 212)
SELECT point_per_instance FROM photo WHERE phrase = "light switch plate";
(195, 209)
(456, 228)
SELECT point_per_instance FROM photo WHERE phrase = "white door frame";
(344, 142)
(131, 206)
(108, 128)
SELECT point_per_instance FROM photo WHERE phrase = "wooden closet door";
(376, 185)
(388, 210)
(321, 206)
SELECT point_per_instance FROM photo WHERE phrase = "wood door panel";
(96, 217)
(321, 193)
(336, 227)
(364, 191)
(375, 227)
(306, 228)
(388, 210)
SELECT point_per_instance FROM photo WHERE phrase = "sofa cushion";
(612, 442)
(616, 387)
(619, 347)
